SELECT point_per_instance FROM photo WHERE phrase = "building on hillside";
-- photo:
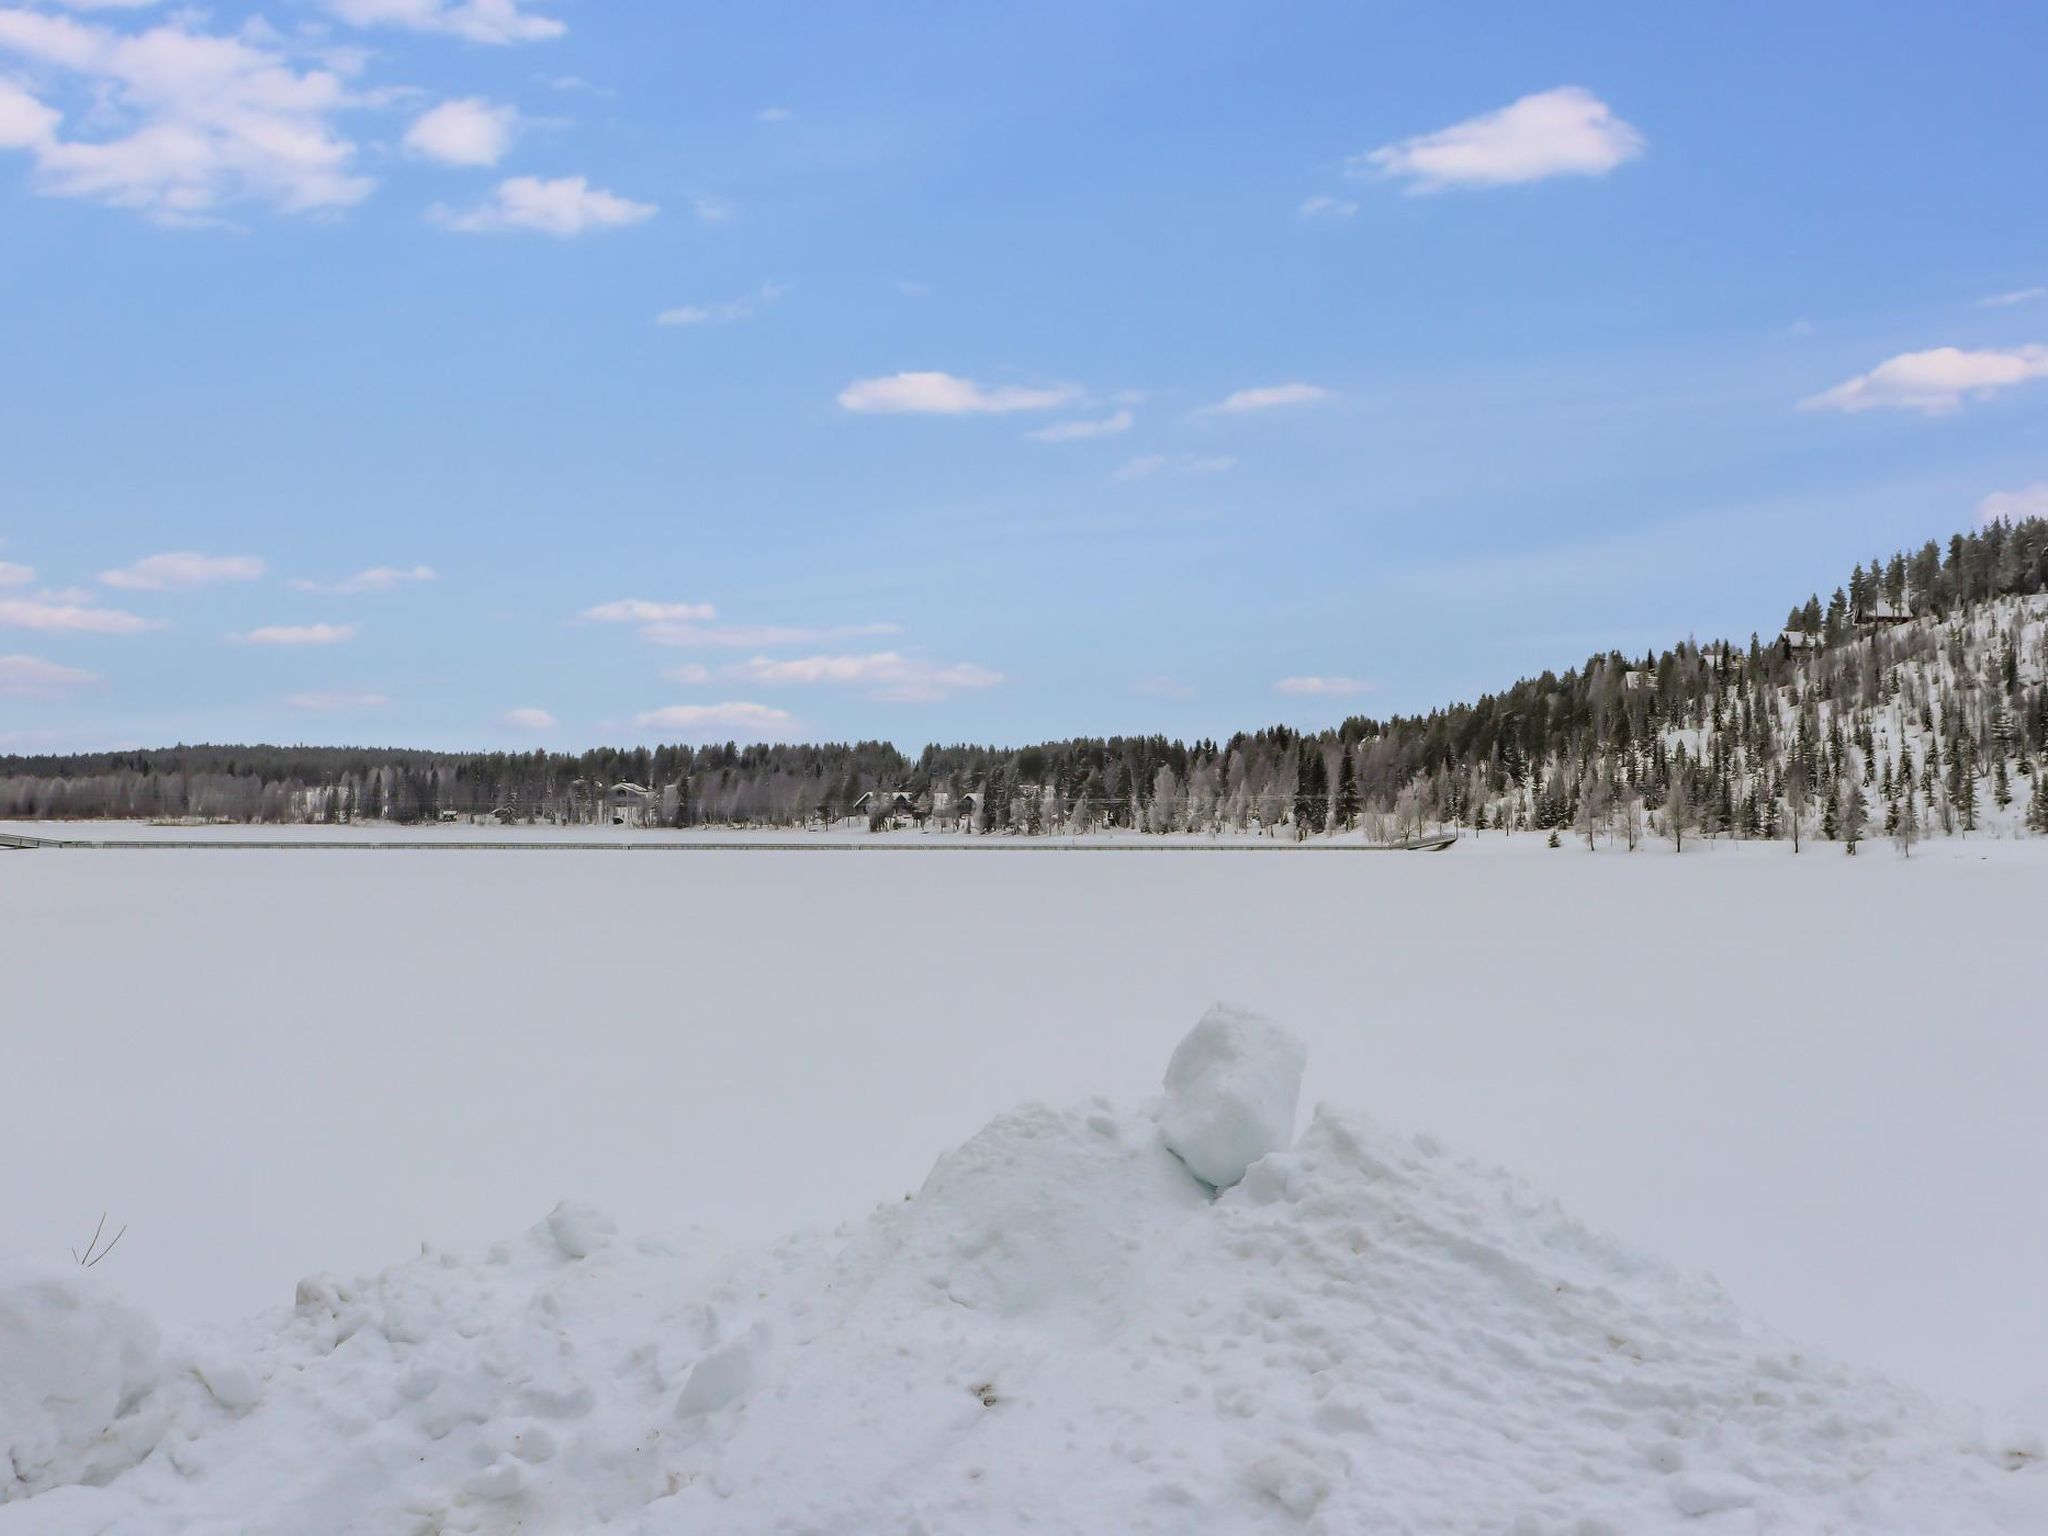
(1882, 615)
(1796, 640)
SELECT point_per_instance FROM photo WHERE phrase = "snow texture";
(1231, 1091)
(1063, 1331)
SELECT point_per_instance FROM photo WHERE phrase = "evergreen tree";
(1347, 794)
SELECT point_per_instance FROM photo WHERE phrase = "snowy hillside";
(1064, 1330)
(1926, 727)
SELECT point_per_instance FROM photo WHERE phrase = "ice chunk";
(73, 1360)
(579, 1230)
(1231, 1091)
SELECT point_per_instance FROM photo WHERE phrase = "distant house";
(1637, 678)
(1799, 640)
(631, 805)
(894, 805)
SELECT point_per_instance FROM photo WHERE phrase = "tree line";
(1846, 721)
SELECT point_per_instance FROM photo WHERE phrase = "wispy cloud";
(31, 677)
(335, 703)
(1935, 382)
(945, 394)
(773, 115)
(1074, 431)
(182, 570)
(703, 722)
(1323, 687)
(638, 610)
(2014, 506)
(1162, 687)
(884, 674)
(564, 207)
(477, 21)
(729, 312)
(1270, 397)
(1324, 209)
(297, 634)
(185, 123)
(12, 575)
(689, 625)
(740, 637)
(61, 614)
(527, 718)
(470, 131)
(2016, 296)
(378, 578)
(1563, 132)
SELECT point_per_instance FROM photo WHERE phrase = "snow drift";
(1067, 1329)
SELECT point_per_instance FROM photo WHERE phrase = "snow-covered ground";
(1817, 1077)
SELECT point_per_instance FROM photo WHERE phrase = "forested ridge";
(1909, 701)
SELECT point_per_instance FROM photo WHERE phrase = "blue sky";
(479, 373)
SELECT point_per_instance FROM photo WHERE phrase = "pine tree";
(1347, 794)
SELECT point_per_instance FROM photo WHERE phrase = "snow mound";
(75, 1364)
(1065, 1330)
(1231, 1091)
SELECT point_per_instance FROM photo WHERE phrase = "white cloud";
(563, 207)
(1143, 465)
(1934, 382)
(468, 131)
(2014, 506)
(758, 722)
(943, 394)
(773, 115)
(886, 674)
(1326, 209)
(62, 613)
(740, 637)
(637, 610)
(1322, 687)
(476, 21)
(527, 718)
(378, 578)
(31, 677)
(726, 313)
(709, 209)
(1271, 397)
(182, 570)
(1563, 132)
(184, 122)
(2007, 300)
(1072, 431)
(335, 703)
(297, 634)
(12, 575)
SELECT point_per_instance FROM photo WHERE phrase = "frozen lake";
(1819, 1078)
